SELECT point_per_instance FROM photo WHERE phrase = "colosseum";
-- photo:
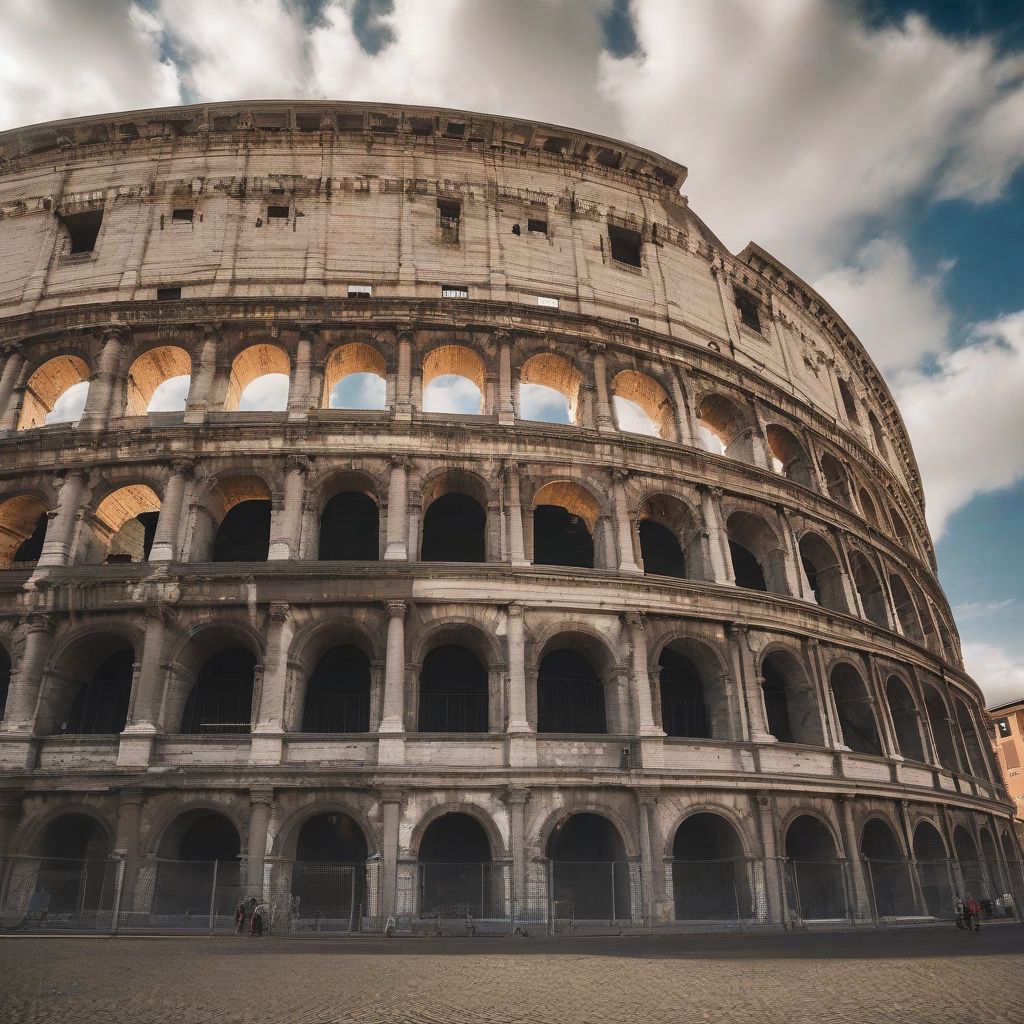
(416, 519)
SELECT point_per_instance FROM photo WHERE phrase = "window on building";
(750, 310)
(360, 291)
(454, 291)
(537, 227)
(625, 245)
(547, 300)
(278, 212)
(1003, 727)
(168, 294)
(449, 214)
(183, 215)
(83, 229)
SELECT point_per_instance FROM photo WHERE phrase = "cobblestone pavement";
(934, 976)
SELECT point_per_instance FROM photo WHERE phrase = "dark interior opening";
(856, 718)
(456, 877)
(331, 837)
(83, 229)
(349, 529)
(536, 226)
(776, 703)
(338, 693)
(811, 572)
(455, 839)
(32, 547)
(570, 697)
(750, 310)
(561, 538)
(746, 568)
(453, 691)
(183, 215)
(148, 521)
(168, 294)
(660, 550)
(67, 878)
(278, 212)
(5, 681)
(590, 876)
(221, 700)
(244, 533)
(453, 530)
(210, 837)
(683, 711)
(709, 878)
(625, 245)
(329, 873)
(904, 719)
(817, 874)
(100, 705)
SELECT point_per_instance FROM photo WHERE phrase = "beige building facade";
(674, 652)
(1007, 723)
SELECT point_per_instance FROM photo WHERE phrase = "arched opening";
(670, 541)
(975, 883)
(456, 874)
(758, 562)
(660, 550)
(933, 870)
(99, 705)
(338, 693)
(816, 873)
(125, 523)
(906, 610)
(240, 508)
(549, 389)
(259, 380)
(590, 876)
(899, 524)
(329, 874)
(642, 406)
(564, 516)
(453, 381)
(221, 700)
(22, 531)
(823, 572)
(891, 888)
(905, 719)
(683, 709)
(355, 377)
(350, 528)
(570, 695)
(788, 457)
(453, 691)
(158, 381)
(73, 881)
(869, 588)
(723, 429)
(55, 393)
(876, 432)
(849, 402)
(198, 867)
(990, 860)
(454, 530)
(791, 709)
(5, 681)
(856, 715)
(837, 480)
(942, 728)
(972, 747)
(868, 508)
(709, 875)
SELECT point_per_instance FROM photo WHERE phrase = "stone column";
(201, 385)
(396, 549)
(403, 377)
(516, 539)
(643, 713)
(517, 720)
(763, 805)
(286, 527)
(298, 385)
(129, 816)
(10, 399)
(861, 902)
(103, 386)
(830, 729)
(624, 532)
(506, 405)
(390, 812)
(60, 532)
(515, 800)
(268, 736)
(10, 814)
(37, 633)
(751, 682)
(720, 561)
(908, 841)
(261, 803)
(165, 538)
(605, 423)
(650, 884)
(682, 420)
(136, 742)
(797, 580)
(391, 745)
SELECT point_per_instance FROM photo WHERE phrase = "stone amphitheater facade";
(695, 624)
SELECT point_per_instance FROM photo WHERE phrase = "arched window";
(791, 708)
(876, 431)
(670, 541)
(55, 393)
(259, 380)
(758, 561)
(683, 709)
(849, 402)
(972, 747)
(660, 550)
(564, 516)
(932, 869)
(823, 572)
(837, 480)
(456, 876)
(221, 700)
(892, 890)
(239, 521)
(355, 377)
(642, 406)
(329, 873)
(941, 726)
(570, 695)
(724, 429)
(22, 531)
(198, 848)
(71, 871)
(868, 507)
(158, 381)
(453, 691)
(590, 876)
(905, 719)
(788, 457)
(906, 610)
(454, 530)
(811, 851)
(100, 702)
(338, 693)
(125, 523)
(709, 876)
(349, 529)
(900, 526)
(453, 381)
(856, 715)
(869, 587)
(549, 389)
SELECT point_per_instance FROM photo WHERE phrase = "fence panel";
(891, 888)
(816, 890)
(935, 877)
(586, 892)
(711, 890)
(54, 893)
(448, 892)
(320, 896)
(975, 880)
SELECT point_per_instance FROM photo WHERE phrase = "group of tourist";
(254, 912)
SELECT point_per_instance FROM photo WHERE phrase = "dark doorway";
(815, 873)
(338, 693)
(683, 711)
(776, 703)
(709, 875)
(454, 530)
(590, 876)
(5, 681)
(888, 871)
(933, 869)
(244, 533)
(905, 719)
(570, 696)
(856, 717)
(453, 691)
(329, 874)
(32, 547)
(349, 529)
(73, 876)
(660, 550)
(456, 876)
(561, 538)
(221, 700)
(100, 705)
(746, 568)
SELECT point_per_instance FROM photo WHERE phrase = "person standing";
(973, 909)
(240, 917)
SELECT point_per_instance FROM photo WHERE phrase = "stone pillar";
(391, 745)
(605, 423)
(298, 385)
(643, 713)
(797, 580)
(516, 539)
(751, 682)
(268, 736)
(286, 527)
(165, 538)
(515, 800)
(763, 805)
(650, 884)
(103, 385)
(129, 815)
(861, 909)
(23, 696)
(10, 814)
(10, 398)
(403, 377)
(136, 742)
(201, 385)
(908, 841)
(60, 532)
(390, 812)
(682, 421)
(717, 550)
(624, 532)
(522, 742)
(396, 549)
(830, 729)
(261, 803)
(506, 405)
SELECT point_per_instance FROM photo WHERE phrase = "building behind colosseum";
(646, 630)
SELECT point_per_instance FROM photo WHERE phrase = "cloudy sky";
(874, 146)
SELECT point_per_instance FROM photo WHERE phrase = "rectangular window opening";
(278, 212)
(750, 310)
(168, 294)
(449, 212)
(625, 245)
(183, 215)
(1003, 725)
(83, 229)
(454, 291)
(537, 227)
(547, 300)
(360, 291)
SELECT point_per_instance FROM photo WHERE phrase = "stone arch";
(124, 523)
(712, 674)
(356, 357)
(565, 517)
(586, 804)
(576, 682)
(48, 384)
(150, 372)
(788, 455)
(249, 365)
(671, 542)
(245, 536)
(162, 835)
(811, 848)
(869, 508)
(650, 400)
(554, 373)
(877, 433)
(928, 841)
(724, 428)
(23, 521)
(286, 838)
(869, 588)
(790, 700)
(453, 360)
(348, 507)
(848, 400)
(758, 554)
(31, 835)
(470, 809)
(855, 709)
(879, 838)
(941, 722)
(823, 571)
(710, 881)
(907, 613)
(825, 840)
(902, 531)
(455, 507)
(906, 717)
(837, 480)
(973, 748)
(971, 866)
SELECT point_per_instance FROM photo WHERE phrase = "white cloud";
(170, 395)
(999, 674)
(359, 391)
(450, 393)
(539, 402)
(69, 407)
(982, 609)
(268, 393)
(632, 418)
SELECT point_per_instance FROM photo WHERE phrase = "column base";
(267, 746)
(522, 750)
(391, 748)
(17, 750)
(278, 551)
(395, 553)
(135, 749)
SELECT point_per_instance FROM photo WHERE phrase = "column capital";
(396, 609)
(15, 348)
(300, 463)
(161, 612)
(516, 609)
(634, 619)
(516, 795)
(185, 467)
(210, 331)
(619, 475)
(262, 795)
(501, 337)
(115, 332)
(399, 461)
(38, 622)
(596, 348)
(405, 332)
(389, 795)
(130, 795)
(280, 611)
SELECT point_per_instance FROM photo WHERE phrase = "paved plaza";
(933, 975)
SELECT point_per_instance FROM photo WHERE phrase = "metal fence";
(891, 889)
(718, 890)
(817, 890)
